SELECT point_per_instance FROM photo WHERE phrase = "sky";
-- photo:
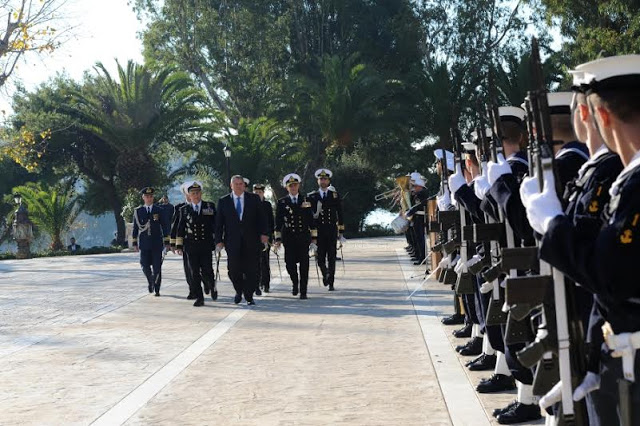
(105, 30)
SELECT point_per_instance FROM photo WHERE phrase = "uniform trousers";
(296, 251)
(199, 256)
(327, 242)
(151, 262)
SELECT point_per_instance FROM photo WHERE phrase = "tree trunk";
(56, 243)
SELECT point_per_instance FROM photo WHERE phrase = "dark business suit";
(241, 240)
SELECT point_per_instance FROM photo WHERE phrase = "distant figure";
(73, 247)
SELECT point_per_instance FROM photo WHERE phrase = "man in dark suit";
(149, 231)
(241, 229)
(73, 247)
(195, 237)
(264, 272)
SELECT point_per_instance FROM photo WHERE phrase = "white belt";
(624, 346)
(421, 212)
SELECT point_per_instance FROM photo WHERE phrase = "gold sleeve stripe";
(278, 235)
(340, 227)
(179, 241)
(314, 233)
(172, 240)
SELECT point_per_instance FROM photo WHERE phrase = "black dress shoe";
(214, 295)
(482, 363)
(464, 331)
(473, 347)
(499, 411)
(198, 302)
(207, 289)
(266, 289)
(496, 383)
(150, 288)
(258, 291)
(158, 293)
(251, 303)
(303, 296)
(325, 281)
(294, 291)
(331, 288)
(454, 319)
(520, 413)
(338, 258)
(237, 299)
(191, 297)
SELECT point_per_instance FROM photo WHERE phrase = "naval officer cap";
(258, 187)
(323, 173)
(448, 156)
(193, 186)
(147, 190)
(246, 181)
(415, 175)
(610, 74)
(290, 179)
(469, 147)
(419, 182)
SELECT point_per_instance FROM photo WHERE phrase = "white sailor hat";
(448, 156)
(415, 175)
(246, 181)
(614, 72)
(323, 173)
(419, 182)
(511, 113)
(488, 132)
(469, 147)
(559, 102)
(291, 178)
(195, 185)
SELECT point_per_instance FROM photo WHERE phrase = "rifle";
(568, 332)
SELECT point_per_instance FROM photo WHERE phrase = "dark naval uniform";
(150, 232)
(329, 221)
(418, 213)
(295, 229)
(195, 236)
(175, 220)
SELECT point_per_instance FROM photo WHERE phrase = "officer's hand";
(457, 180)
(264, 239)
(486, 288)
(136, 249)
(542, 208)
(552, 397)
(590, 383)
(495, 170)
(313, 249)
(168, 248)
(342, 239)
(481, 187)
(219, 247)
(277, 245)
(179, 252)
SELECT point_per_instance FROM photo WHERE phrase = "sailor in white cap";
(605, 264)
(327, 212)
(295, 229)
(195, 238)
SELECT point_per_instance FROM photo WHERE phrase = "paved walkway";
(82, 342)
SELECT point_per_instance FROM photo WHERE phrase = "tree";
(28, 31)
(53, 209)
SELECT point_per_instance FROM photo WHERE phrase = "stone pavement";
(82, 342)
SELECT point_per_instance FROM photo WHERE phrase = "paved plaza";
(82, 342)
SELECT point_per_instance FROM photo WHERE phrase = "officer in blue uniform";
(329, 222)
(150, 234)
(605, 264)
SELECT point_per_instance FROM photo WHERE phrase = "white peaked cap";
(512, 111)
(487, 131)
(614, 66)
(470, 146)
(419, 182)
(291, 178)
(323, 172)
(449, 157)
(246, 181)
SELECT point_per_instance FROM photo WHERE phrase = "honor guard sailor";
(295, 230)
(329, 222)
(150, 234)
(194, 237)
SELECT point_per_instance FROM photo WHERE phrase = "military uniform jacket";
(175, 220)
(294, 220)
(417, 210)
(607, 266)
(466, 197)
(150, 231)
(327, 212)
(196, 228)
(267, 209)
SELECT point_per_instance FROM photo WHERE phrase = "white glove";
(313, 249)
(481, 186)
(552, 397)
(457, 180)
(528, 188)
(543, 207)
(495, 170)
(342, 239)
(475, 258)
(486, 287)
(444, 201)
(445, 262)
(218, 249)
(590, 383)
(503, 283)
(461, 268)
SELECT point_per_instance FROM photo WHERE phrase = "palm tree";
(138, 118)
(52, 209)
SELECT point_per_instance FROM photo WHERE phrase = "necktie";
(324, 195)
(295, 200)
(148, 210)
(196, 209)
(238, 207)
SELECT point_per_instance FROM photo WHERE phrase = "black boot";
(520, 413)
(454, 319)
(499, 411)
(464, 331)
(496, 383)
(157, 288)
(294, 290)
(482, 363)
(473, 347)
